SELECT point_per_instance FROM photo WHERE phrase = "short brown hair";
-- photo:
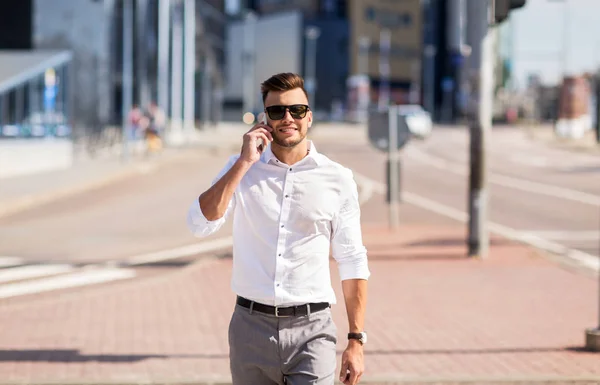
(282, 82)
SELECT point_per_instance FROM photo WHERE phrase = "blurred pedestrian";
(134, 127)
(291, 206)
(153, 127)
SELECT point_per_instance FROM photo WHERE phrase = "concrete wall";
(29, 156)
(277, 48)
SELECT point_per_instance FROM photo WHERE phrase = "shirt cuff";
(355, 267)
(198, 223)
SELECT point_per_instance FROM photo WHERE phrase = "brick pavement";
(433, 315)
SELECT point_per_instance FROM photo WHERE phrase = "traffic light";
(503, 7)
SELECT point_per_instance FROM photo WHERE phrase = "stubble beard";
(289, 144)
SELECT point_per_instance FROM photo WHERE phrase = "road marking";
(566, 235)
(510, 182)
(33, 271)
(70, 279)
(580, 257)
(181, 252)
(82, 278)
(11, 261)
(530, 160)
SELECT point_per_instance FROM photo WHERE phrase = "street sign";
(378, 130)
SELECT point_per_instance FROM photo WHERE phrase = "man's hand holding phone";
(255, 141)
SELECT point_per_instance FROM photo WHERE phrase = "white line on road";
(584, 259)
(181, 252)
(11, 261)
(507, 181)
(65, 281)
(33, 271)
(566, 235)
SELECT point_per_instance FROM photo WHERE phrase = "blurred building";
(332, 48)
(342, 25)
(92, 32)
(428, 60)
(34, 83)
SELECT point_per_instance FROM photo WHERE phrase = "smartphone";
(261, 143)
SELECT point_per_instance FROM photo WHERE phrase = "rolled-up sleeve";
(196, 220)
(346, 244)
(199, 225)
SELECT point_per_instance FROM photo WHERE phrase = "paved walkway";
(546, 134)
(434, 316)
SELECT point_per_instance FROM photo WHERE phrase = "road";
(540, 192)
(107, 234)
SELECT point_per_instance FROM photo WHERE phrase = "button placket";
(283, 220)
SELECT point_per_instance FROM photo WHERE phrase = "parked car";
(419, 121)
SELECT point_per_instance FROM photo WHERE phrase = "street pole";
(363, 55)
(385, 42)
(565, 40)
(248, 61)
(415, 84)
(312, 33)
(127, 74)
(393, 160)
(142, 52)
(163, 55)
(176, 74)
(206, 91)
(592, 335)
(429, 79)
(598, 107)
(480, 126)
(189, 67)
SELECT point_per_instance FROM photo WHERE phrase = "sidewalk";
(28, 191)
(24, 192)
(433, 317)
(545, 133)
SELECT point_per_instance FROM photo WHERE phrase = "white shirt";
(285, 220)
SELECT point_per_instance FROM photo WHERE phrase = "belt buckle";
(277, 313)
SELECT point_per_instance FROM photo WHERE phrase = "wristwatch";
(361, 337)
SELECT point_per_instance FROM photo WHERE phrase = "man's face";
(288, 131)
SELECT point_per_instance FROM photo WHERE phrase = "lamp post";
(311, 33)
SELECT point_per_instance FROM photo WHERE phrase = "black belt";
(282, 311)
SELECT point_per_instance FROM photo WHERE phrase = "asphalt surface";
(546, 193)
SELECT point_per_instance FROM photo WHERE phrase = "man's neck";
(291, 155)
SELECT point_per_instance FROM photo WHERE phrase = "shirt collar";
(313, 154)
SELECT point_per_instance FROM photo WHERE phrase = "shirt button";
(290, 169)
(278, 285)
(280, 254)
(282, 226)
(287, 196)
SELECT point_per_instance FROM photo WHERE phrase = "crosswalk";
(19, 278)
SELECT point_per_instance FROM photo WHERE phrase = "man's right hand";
(252, 140)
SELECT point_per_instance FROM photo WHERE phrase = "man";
(290, 205)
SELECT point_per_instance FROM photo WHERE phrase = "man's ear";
(310, 118)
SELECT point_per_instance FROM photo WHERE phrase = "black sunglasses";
(298, 111)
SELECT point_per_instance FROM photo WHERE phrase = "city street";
(108, 286)
(547, 196)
